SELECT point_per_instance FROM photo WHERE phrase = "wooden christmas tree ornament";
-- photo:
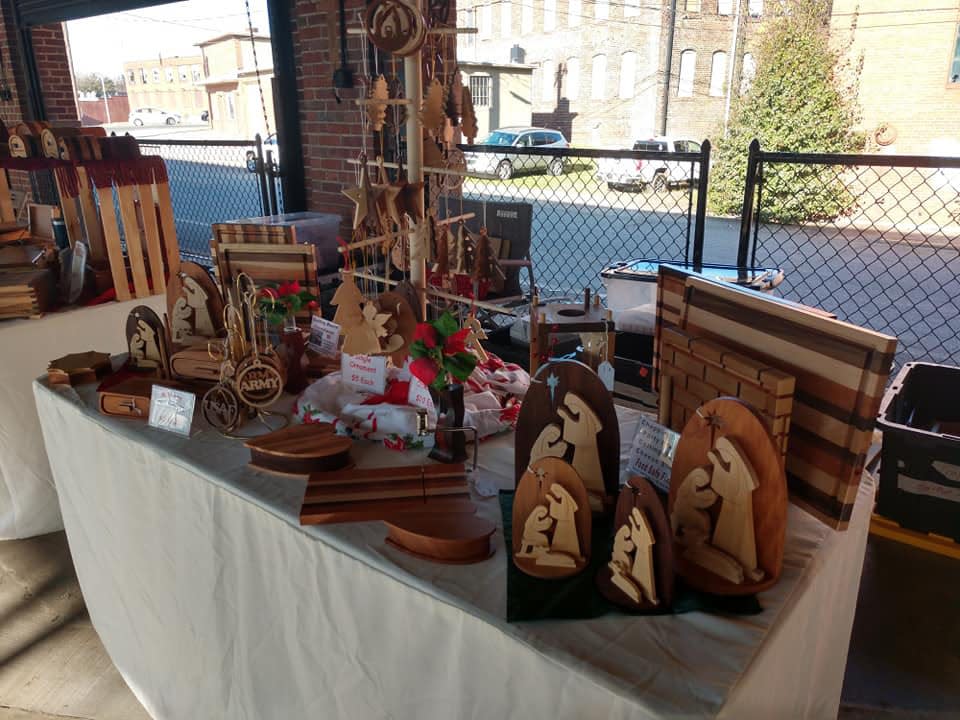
(468, 118)
(455, 538)
(300, 450)
(728, 501)
(147, 342)
(639, 574)
(568, 413)
(78, 368)
(551, 521)
(377, 107)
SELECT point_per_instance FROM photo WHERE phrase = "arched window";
(598, 77)
(688, 67)
(628, 74)
(572, 82)
(747, 73)
(718, 73)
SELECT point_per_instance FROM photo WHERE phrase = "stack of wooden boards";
(26, 293)
(134, 255)
(839, 375)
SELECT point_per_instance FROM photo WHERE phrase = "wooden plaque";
(618, 581)
(700, 492)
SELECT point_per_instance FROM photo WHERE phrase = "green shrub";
(799, 101)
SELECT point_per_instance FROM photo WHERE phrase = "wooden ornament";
(194, 306)
(360, 195)
(728, 501)
(399, 309)
(551, 521)
(432, 115)
(410, 200)
(362, 337)
(221, 408)
(468, 118)
(639, 574)
(571, 397)
(377, 107)
(474, 336)
(300, 450)
(454, 104)
(147, 342)
(78, 368)
(258, 382)
(409, 293)
(456, 538)
(456, 162)
(347, 300)
(432, 154)
(395, 26)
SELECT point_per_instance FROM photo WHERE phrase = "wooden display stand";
(547, 320)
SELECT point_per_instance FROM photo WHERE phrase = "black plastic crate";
(920, 460)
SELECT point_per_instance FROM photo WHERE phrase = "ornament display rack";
(416, 170)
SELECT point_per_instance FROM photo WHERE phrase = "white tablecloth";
(28, 500)
(214, 603)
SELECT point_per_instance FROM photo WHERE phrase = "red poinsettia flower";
(290, 288)
(456, 343)
(428, 334)
(425, 370)
(268, 292)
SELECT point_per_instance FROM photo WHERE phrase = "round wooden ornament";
(639, 573)
(395, 26)
(259, 383)
(728, 501)
(551, 521)
(221, 408)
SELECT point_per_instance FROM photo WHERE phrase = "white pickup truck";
(656, 175)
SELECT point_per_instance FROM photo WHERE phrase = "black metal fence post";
(262, 175)
(703, 185)
(746, 214)
(272, 183)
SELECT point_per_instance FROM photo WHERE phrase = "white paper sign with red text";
(367, 373)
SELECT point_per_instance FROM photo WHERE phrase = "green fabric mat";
(530, 598)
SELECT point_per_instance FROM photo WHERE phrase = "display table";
(28, 500)
(214, 603)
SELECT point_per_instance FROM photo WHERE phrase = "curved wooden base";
(615, 595)
(708, 582)
(456, 538)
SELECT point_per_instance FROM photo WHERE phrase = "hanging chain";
(256, 67)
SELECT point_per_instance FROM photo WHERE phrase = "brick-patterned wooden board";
(696, 370)
(840, 369)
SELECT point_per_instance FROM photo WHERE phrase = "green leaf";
(460, 365)
(418, 350)
(446, 325)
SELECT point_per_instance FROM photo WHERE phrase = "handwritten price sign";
(652, 453)
(419, 395)
(367, 373)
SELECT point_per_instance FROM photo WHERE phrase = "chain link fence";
(214, 181)
(594, 207)
(872, 238)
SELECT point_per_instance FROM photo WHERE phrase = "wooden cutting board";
(300, 450)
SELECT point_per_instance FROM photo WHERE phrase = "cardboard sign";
(651, 455)
(367, 373)
(171, 410)
(324, 336)
(419, 395)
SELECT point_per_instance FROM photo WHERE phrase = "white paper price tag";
(324, 336)
(605, 371)
(419, 395)
(651, 455)
(171, 410)
(367, 373)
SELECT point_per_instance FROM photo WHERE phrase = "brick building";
(909, 89)
(174, 84)
(601, 67)
(231, 87)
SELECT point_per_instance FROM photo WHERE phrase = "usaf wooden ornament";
(551, 521)
(567, 413)
(639, 573)
(728, 501)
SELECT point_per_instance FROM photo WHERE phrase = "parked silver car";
(656, 175)
(505, 164)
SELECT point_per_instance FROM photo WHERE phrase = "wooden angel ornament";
(728, 501)
(551, 521)
(639, 573)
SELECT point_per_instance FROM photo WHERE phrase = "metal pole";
(747, 212)
(106, 105)
(261, 175)
(272, 184)
(702, 185)
(667, 65)
(413, 90)
(731, 64)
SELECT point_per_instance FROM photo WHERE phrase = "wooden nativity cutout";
(639, 574)
(568, 414)
(147, 342)
(728, 501)
(194, 306)
(551, 521)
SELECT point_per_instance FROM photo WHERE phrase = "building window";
(631, 8)
(718, 73)
(628, 74)
(747, 73)
(195, 73)
(724, 7)
(143, 75)
(231, 110)
(573, 78)
(955, 65)
(598, 77)
(156, 75)
(601, 9)
(506, 18)
(755, 8)
(184, 73)
(485, 21)
(574, 12)
(170, 74)
(688, 67)
(480, 90)
(549, 15)
(131, 77)
(526, 17)
(548, 77)
(692, 6)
